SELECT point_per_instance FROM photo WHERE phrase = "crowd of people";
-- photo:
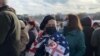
(74, 36)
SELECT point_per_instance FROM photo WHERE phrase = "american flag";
(55, 45)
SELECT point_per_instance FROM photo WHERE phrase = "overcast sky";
(35, 7)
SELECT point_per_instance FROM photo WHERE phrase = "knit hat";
(45, 21)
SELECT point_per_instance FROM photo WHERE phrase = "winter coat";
(76, 42)
(9, 33)
(95, 41)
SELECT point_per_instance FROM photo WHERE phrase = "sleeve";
(94, 38)
(31, 39)
(81, 45)
(5, 23)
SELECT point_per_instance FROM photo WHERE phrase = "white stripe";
(39, 44)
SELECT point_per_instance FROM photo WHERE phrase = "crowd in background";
(74, 36)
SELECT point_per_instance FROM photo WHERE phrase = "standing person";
(73, 32)
(33, 33)
(95, 41)
(88, 30)
(9, 31)
(49, 37)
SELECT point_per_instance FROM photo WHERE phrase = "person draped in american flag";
(50, 42)
(55, 45)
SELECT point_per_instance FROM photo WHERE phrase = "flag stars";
(53, 38)
(58, 42)
(63, 42)
(58, 36)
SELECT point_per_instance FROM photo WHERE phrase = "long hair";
(74, 22)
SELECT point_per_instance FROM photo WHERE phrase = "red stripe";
(33, 50)
(56, 50)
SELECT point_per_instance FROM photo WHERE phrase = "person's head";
(96, 25)
(74, 22)
(31, 24)
(48, 21)
(86, 22)
(2, 2)
(49, 24)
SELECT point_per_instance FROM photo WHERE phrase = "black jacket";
(88, 34)
(88, 30)
(31, 39)
(8, 40)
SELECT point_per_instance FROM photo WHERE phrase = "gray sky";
(35, 7)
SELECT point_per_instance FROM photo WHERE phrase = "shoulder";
(79, 34)
(3, 13)
(97, 31)
(9, 13)
(4, 17)
(79, 31)
(6, 12)
(76, 31)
